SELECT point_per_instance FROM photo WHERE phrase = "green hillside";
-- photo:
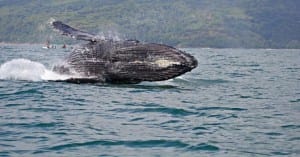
(183, 23)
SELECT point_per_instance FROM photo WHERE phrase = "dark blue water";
(236, 103)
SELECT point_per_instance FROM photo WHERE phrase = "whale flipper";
(72, 32)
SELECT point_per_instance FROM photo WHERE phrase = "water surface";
(236, 103)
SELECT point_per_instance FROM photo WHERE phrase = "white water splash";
(24, 69)
(109, 35)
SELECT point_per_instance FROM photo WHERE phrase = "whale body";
(125, 61)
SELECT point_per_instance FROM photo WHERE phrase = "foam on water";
(24, 69)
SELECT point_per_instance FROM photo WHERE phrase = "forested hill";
(183, 23)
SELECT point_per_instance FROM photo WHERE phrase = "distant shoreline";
(11, 43)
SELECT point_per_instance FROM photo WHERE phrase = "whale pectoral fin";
(72, 32)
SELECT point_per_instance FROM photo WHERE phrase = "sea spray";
(24, 69)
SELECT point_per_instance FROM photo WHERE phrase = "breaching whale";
(125, 61)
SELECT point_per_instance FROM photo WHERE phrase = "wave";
(24, 69)
(133, 144)
(161, 143)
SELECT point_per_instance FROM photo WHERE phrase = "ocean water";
(237, 102)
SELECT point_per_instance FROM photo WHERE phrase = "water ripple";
(221, 108)
(166, 110)
(31, 125)
(291, 126)
(172, 111)
(133, 144)
(205, 147)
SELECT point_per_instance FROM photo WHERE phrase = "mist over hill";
(182, 23)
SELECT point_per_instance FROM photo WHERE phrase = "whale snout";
(189, 61)
(192, 62)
